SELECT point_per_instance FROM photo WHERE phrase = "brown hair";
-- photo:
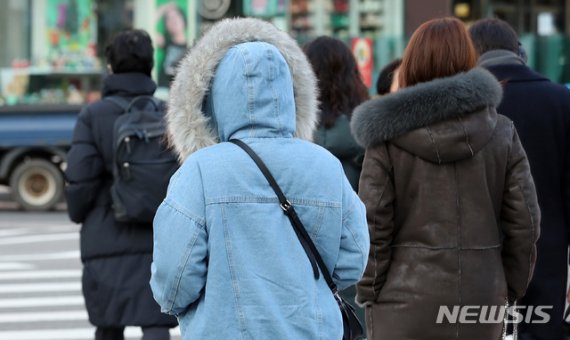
(438, 48)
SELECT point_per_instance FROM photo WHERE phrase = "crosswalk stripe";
(40, 287)
(40, 284)
(42, 302)
(13, 232)
(42, 257)
(42, 274)
(43, 316)
(15, 266)
(68, 334)
(38, 238)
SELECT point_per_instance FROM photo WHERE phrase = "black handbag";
(352, 327)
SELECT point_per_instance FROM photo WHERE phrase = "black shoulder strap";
(119, 101)
(289, 210)
(127, 104)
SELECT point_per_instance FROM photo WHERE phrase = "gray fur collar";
(379, 120)
(187, 125)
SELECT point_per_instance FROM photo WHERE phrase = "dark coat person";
(388, 78)
(116, 256)
(451, 205)
(340, 90)
(540, 110)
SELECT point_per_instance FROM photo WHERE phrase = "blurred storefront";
(53, 50)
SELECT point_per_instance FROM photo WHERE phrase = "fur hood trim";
(379, 120)
(188, 127)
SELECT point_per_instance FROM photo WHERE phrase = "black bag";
(352, 327)
(142, 165)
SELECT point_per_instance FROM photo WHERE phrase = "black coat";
(540, 110)
(116, 256)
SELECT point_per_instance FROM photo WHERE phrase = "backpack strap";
(119, 101)
(127, 104)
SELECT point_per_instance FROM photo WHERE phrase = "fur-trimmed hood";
(188, 125)
(443, 120)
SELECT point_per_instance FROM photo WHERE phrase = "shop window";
(56, 49)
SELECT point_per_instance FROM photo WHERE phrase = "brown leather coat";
(451, 205)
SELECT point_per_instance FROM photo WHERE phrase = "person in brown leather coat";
(451, 204)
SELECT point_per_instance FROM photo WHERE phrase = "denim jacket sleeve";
(180, 253)
(354, 242)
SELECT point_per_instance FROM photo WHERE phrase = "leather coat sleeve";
(85, 168)
(520, 222)
(377, 193)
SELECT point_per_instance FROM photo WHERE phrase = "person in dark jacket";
(451, 205)
(341, 90)
(540, 110)
(116, 256)
(388, 78)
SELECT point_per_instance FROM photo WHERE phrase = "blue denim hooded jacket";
(226, 259)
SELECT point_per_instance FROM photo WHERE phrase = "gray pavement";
(40, 277)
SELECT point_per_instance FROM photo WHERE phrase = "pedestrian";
(172, 42)
(340, 90)
(227, 261)
(116, 256)
(450, 200)
(388, 78)
(540, 110)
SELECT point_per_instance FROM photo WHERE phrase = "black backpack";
(142, 164)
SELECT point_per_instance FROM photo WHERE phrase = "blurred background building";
(53, 50)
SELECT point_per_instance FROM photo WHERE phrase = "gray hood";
(188, 126)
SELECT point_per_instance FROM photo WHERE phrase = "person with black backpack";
(118, 172)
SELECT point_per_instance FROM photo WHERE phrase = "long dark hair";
(340, 84)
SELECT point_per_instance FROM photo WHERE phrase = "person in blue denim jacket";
(227, 261)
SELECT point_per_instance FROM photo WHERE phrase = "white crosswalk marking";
(68, 301)
(40, 281)
(38, 238)
(51, 316)
(71, 334)
(40, 287)
(14, 266)
(44, 274)
(41, 257)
